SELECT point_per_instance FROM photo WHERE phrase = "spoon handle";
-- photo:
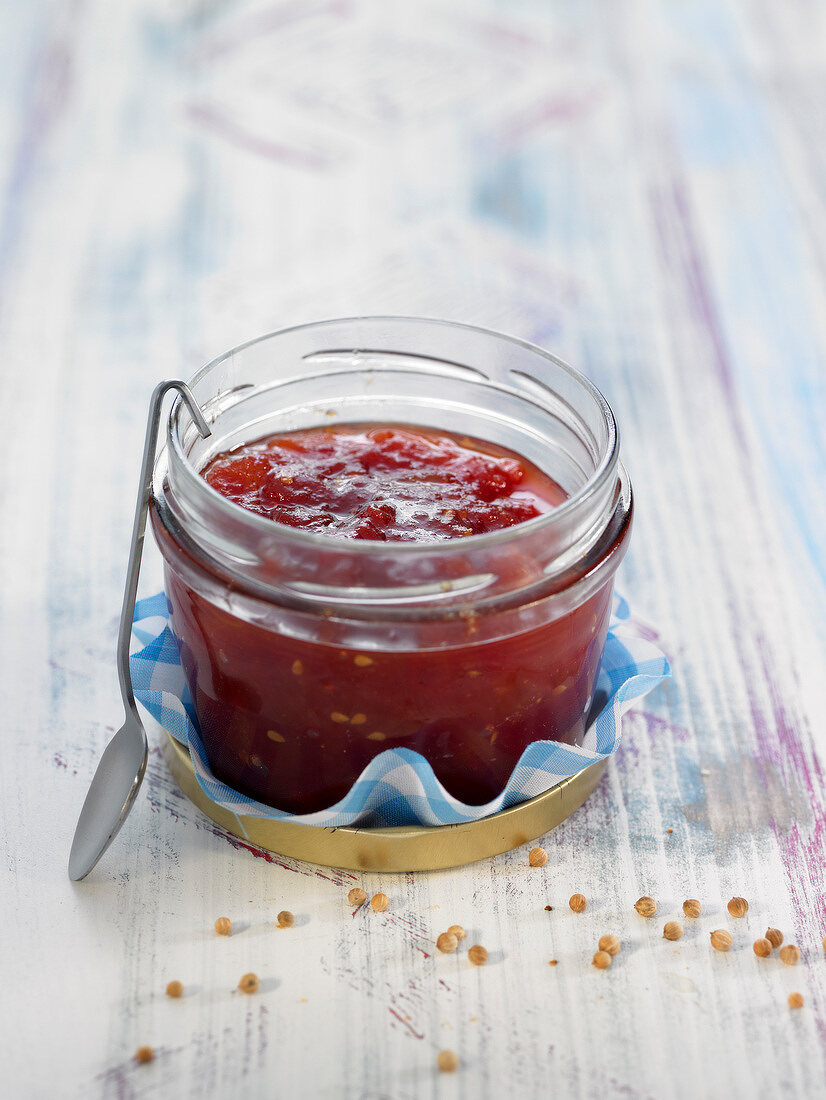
(127, 613)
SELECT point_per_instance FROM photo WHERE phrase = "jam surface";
(387, 483)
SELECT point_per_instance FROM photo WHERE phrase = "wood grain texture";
(639, 186)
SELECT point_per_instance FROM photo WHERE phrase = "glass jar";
(307, 655)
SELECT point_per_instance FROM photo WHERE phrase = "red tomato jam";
(292, 720)
(388, 483)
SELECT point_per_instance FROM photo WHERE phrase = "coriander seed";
(795, 1000)
(447, 1061)
(609, 943)
(447, 943)
(223, 926)
(602, 960)
(578, 902)
(457, 931)
(285, 919)
(645, 906)
(774, 936)
(357, 896)
(477, 954)
(249, 983)
(721, 939)
(790, 954)
(673, 930)
(738, 907)
(762, 948)
(692, 908)
(380, 902)
(537, 857)
(144, 1055)
(175, 989)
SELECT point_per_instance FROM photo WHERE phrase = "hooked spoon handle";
(127, 612)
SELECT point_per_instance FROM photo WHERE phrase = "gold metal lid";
(404, 848)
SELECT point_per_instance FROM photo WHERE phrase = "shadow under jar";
(308, 654)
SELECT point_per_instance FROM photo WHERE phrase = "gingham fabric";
(399, 787)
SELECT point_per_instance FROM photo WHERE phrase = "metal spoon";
(120, 771)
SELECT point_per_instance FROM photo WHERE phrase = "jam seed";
(249, 983)
(775, 937)
(447, 1061)
(358, 719)
(478, 955)
(362, 661)
(376, 736)
(337, 716)
(298, 668)
(274, 735)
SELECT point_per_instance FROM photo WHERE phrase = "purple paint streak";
(213, 120)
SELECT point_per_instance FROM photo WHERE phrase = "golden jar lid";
(401, 848)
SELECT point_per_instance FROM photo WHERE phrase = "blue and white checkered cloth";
(398, 787)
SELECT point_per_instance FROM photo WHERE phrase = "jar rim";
(605, 471)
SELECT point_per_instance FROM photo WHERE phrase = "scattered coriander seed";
(602, 960)
(249, 983)
(673, 930)
(447, 943)
(537, 857)
(692, 908)
(477, 954)
(738, 907)
(774, 936)
(762, 948)
(223, 926)
(357, 896)
(447, 1061)
(795, 1000)
(609, 943)
(721, 939)
(380, 902)
(578, 902)
(790, 954)
(645, 906)
(550, 909)
(285, 919)
(175, 989)
(457, 931)
(551, 962)
(824, 943)
(669, 830)
(144, 1055)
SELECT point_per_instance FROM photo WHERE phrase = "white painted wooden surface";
(639, 186)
